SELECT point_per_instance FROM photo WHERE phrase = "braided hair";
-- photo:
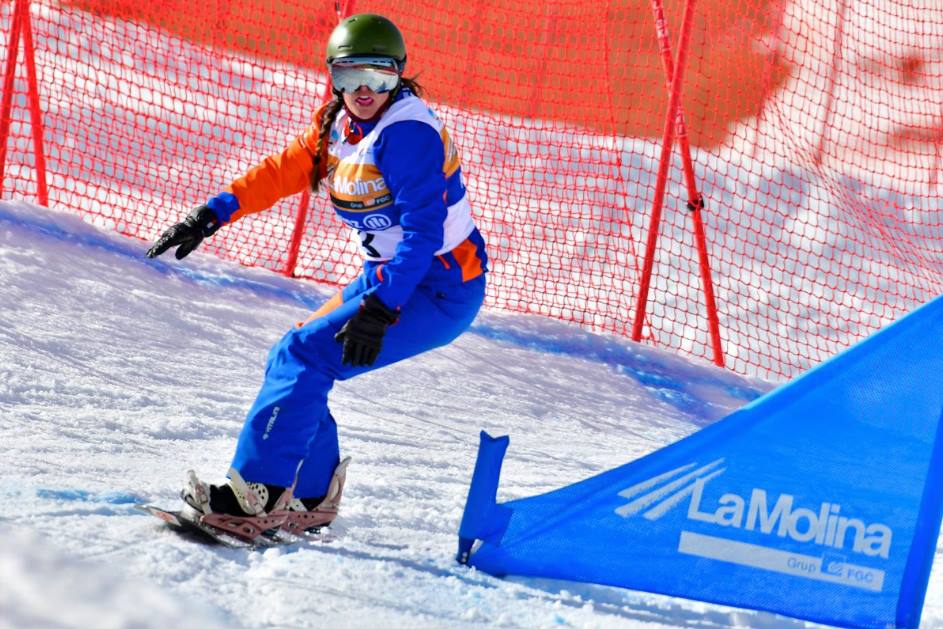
(324, 130)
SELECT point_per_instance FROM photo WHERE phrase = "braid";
(324, 131)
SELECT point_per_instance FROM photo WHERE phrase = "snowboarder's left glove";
(362, 335)
(187, 236)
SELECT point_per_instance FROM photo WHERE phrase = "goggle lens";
(378, 74)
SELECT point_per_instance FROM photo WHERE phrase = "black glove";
(200, 223)
(362, 335)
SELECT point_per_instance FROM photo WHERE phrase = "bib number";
(365, 239)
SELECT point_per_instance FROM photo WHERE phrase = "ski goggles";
(380, 74)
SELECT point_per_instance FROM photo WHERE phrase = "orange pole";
(9, 77)
(661, 182)
(36, 117)
(301, 216)
(695, 200)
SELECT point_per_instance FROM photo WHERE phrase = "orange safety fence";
(786, 207)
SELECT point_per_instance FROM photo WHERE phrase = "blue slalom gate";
(820, 500)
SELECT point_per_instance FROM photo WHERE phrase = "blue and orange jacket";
(396, 181)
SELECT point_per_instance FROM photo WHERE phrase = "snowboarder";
(393, 175)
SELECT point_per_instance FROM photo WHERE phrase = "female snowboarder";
(393, 175)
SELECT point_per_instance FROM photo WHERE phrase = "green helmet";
(366, 35)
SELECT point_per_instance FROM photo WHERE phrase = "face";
(364, 102)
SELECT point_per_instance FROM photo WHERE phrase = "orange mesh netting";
(815, 129)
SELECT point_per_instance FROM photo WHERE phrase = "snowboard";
(187, 524)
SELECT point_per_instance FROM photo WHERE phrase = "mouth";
(364, 101)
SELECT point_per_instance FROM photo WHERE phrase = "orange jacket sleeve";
(279, 175)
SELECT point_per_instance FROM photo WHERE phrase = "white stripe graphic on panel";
(661, 509)
(638, 488)
(646, 500)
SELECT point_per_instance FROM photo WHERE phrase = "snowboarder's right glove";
(187, 236)
(362, 335)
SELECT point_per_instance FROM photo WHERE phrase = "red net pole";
(301, 216)
(704, 261)
(294, 246)
(9, 76)
(36, 117)
(695, 200)
(664, 163)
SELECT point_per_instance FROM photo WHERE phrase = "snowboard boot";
(243, 509)
(307, 515)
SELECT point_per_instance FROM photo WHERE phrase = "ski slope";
(118, 373)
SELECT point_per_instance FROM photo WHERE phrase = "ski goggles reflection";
(380, 74)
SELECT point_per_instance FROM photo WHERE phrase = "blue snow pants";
(289, 433)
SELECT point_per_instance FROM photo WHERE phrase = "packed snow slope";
(118, 373)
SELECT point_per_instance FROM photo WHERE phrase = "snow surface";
(119, 373)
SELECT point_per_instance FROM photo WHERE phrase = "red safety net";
(812, 133)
